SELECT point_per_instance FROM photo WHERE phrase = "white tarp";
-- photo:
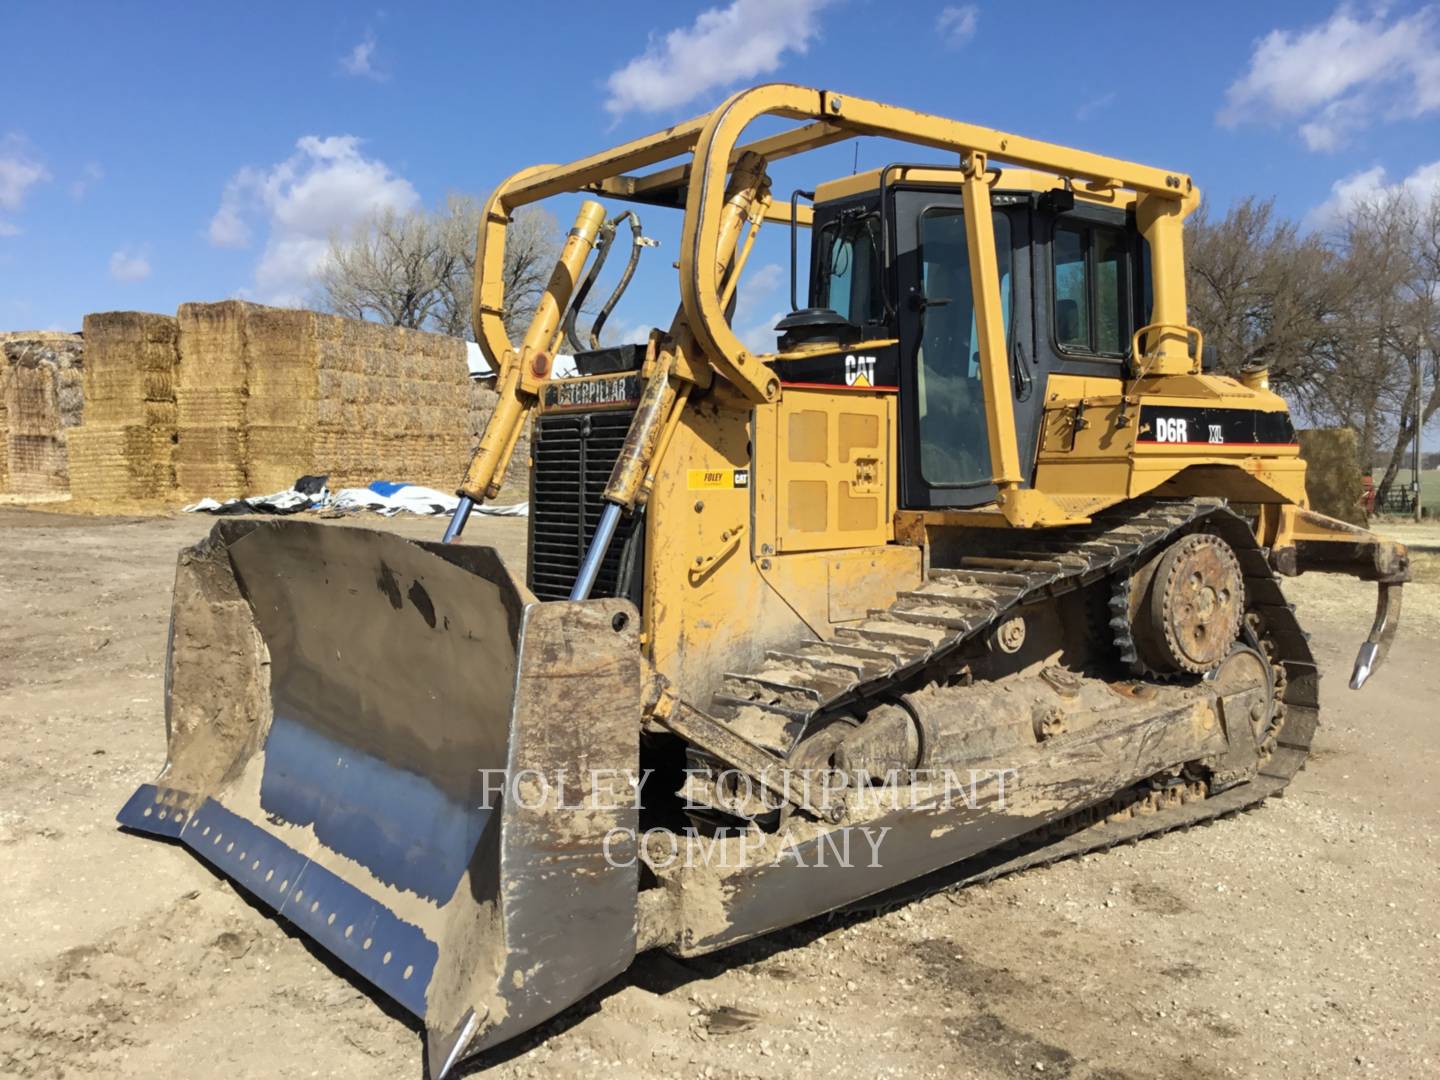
(412, 499)
(384, 497)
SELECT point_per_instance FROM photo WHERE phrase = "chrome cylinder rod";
(599, 544)
(458, 519)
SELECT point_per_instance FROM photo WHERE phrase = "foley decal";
(712, 479)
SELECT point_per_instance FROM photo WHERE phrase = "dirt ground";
(1301, 939)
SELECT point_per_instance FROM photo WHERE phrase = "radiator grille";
(573, 455)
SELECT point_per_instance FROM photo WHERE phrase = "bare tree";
(418, 269)
(1261, 291)
(1392, 246)
(532, 244)
(391, 270)
(456, 226)
(1348, 324)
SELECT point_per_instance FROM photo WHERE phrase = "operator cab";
(890, 286)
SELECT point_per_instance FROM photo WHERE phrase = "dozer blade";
(397, 749)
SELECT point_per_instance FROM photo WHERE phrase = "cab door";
(944, 442)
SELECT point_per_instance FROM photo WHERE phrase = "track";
(958, 606)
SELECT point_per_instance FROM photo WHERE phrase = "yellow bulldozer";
(978, 569)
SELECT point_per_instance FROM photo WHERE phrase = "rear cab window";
(1092, 286)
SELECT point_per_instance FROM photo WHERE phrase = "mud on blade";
(343, 707)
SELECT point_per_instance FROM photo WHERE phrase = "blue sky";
(160, 153)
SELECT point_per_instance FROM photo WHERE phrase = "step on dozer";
(979, 569)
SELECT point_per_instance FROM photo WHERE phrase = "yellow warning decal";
(711, 479)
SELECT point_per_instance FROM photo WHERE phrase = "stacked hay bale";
(40, 386)
(268, 394)
(281, 407)
(210, 399)
(1333, 483)
(392, 404)
(4, 429)
(122, 456)
(235, 399)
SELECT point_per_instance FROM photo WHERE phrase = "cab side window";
(848, 274)
(1091, 289)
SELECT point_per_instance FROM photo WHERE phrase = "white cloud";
(756, 287)
(327, 187)
(1336, 77)
(228, 228)
(722, 47)
(20, 170)
(128, 267)
(360, 61)
(1089, 108)
(619, 330)
(760, 336)
(89, 176)
(956, 24)
(1321, 136)
(1371, 186)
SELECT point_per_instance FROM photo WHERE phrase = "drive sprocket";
(1183, 608)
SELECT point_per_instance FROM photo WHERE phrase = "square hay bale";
(119, 338)
(205, 446)
(120, 464)
(160, 415)
(277, 456)
(209, 407)
(31, 399)
(213, 335)
(1332, 473)
(210, 389)
(38, 465)
(282, 395)
(131, 357)
(41, 396)
(233, 399)
(209, 462)
(220, 481)
(122, 454)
